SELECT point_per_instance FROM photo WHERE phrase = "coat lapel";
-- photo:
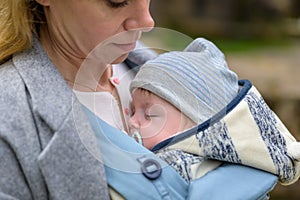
(70, 162)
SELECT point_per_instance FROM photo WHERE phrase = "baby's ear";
(202, 45)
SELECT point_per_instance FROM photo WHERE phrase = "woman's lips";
(127, 47)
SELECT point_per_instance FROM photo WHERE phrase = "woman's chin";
(120, 59)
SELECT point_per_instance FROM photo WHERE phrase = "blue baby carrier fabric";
(137, 173)
(233, 182)
(131, 169)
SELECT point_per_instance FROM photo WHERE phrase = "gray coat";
(47, 147)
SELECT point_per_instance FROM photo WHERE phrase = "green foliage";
(246, 45)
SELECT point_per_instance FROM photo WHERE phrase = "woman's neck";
(81, 73)
(101, 85)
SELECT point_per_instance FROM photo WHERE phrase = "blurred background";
(261, 41)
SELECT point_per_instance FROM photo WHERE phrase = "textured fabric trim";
(274, 140)
(246, 86)
(247, 133)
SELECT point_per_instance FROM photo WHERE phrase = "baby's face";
(154, 118)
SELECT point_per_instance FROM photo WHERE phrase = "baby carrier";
(135, 172)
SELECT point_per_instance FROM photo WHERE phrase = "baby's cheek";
(153, 128)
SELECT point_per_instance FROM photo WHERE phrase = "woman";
(43, 44)
(48, 48)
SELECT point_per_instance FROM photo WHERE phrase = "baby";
(178, 90)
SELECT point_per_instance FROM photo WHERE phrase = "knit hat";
(197, 80)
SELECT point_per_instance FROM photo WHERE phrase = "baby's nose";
(133, 125)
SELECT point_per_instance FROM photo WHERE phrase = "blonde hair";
(18, 21)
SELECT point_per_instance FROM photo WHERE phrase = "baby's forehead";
(149, 97)
(144, 92)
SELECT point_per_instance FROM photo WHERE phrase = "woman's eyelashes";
(117, 4)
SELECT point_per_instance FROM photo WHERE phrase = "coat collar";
(50, 95)
(54, 102)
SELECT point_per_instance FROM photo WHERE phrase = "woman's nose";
(140, 18)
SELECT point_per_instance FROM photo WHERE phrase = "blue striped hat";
(197, 80)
